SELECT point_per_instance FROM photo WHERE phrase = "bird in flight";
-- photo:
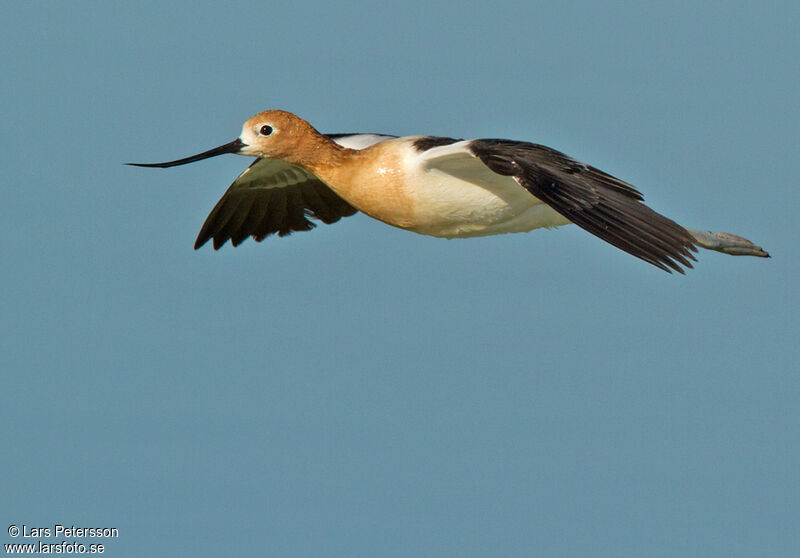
(436, 186)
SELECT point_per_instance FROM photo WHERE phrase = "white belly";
(459, 199)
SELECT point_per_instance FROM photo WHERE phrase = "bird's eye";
(265, 130)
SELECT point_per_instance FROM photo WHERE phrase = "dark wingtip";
(200, 241)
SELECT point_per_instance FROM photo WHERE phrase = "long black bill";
(233, 147)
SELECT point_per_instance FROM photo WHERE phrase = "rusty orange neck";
(317, 154)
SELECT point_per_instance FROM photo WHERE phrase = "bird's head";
(272, 134)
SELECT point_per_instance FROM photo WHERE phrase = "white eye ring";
(265, 130)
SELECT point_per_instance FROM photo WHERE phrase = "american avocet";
(436, 186)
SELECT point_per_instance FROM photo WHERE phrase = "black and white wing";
(274, 197)
(601, 204)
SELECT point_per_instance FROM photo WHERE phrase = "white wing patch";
(360, 141)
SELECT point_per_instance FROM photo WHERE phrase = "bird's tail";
(727, 243)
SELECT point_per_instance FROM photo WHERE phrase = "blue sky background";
(364, 391)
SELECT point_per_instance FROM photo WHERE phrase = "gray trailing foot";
(727, 243)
